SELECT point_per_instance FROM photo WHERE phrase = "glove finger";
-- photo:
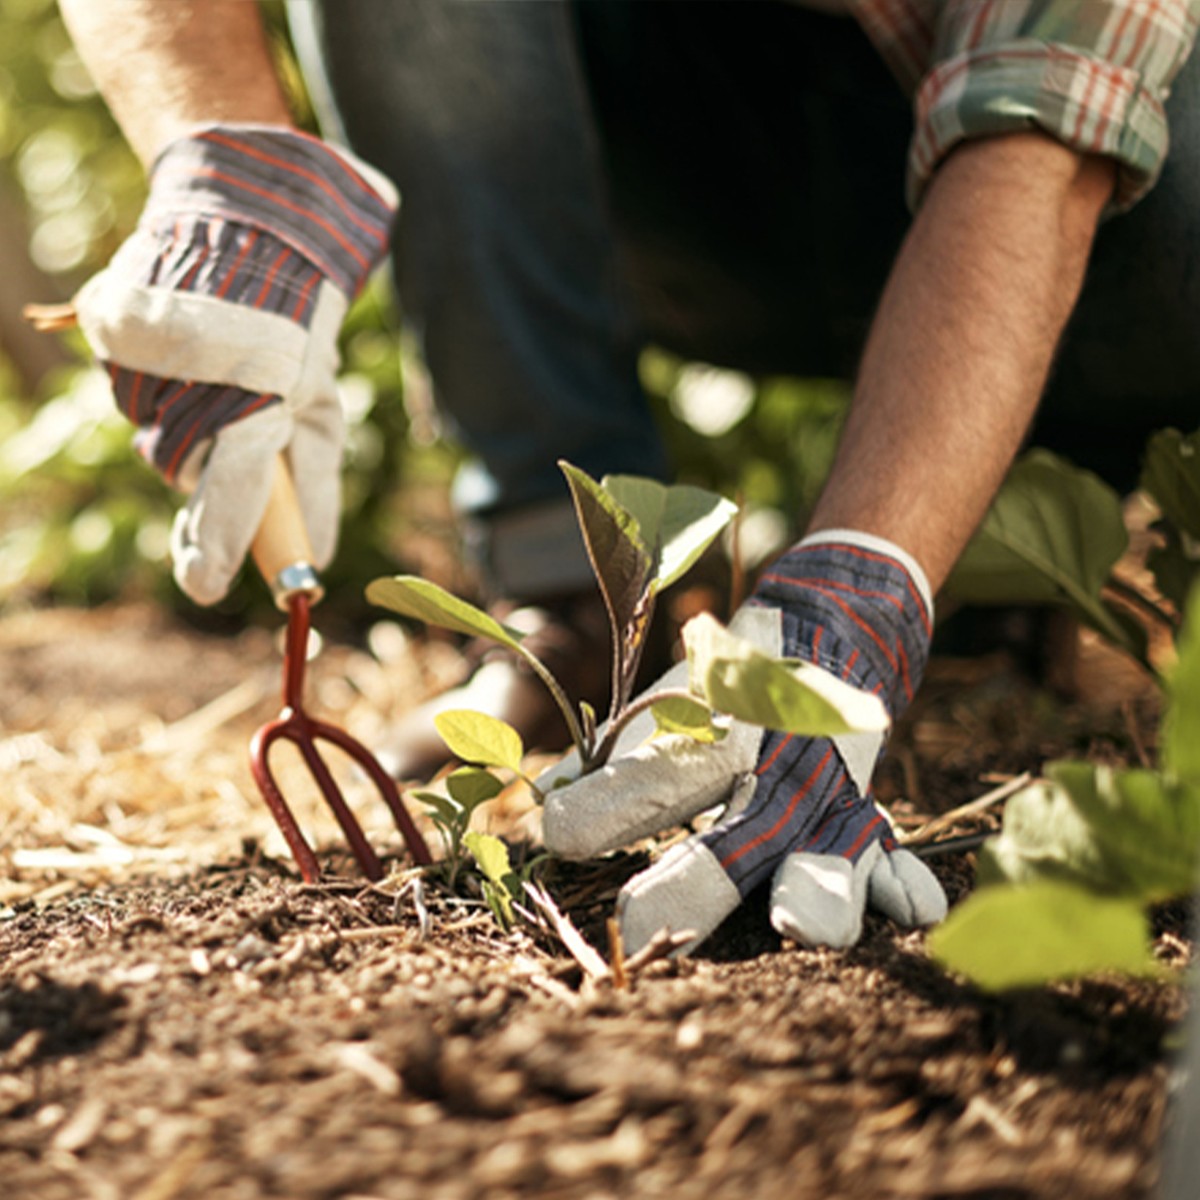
(818, 899)
(685, 891)
(213, 532)
(902, 887)
(662, 783)
(315, 457)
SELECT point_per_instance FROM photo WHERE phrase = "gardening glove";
(218, 321)
(799, 810)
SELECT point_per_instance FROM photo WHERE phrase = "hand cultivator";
(282, 554)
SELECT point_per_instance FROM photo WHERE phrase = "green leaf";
(619, 559)
(677, 523)
(476, 737)
(491, 854)
(473, 786)
(1052, 535)
(678, 714)
(1009, 937)
(1128, 831)
(411, 596)
(1180, 740)
(735, 677)
(443, 808)
(1175, 564)
(1171, 474)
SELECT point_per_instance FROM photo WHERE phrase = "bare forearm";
(962, 344)
(165, 66)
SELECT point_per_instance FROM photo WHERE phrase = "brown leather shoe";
(570, 635)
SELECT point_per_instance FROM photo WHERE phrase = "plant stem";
(582, 743)
(614, 728)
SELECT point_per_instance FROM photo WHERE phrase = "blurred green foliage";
(82, 519)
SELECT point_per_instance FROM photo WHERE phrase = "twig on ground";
(953, 845)
(662, 945)
(372, 931)
(973, 808)
(578, 948)
(616, 952)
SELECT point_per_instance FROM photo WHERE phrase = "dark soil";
(181, 1017)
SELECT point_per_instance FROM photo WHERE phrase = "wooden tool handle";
(281, 548)
(50, 318)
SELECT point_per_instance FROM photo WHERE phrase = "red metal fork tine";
(296, 726)
(283, 555)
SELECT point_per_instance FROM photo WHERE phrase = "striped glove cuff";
(859, 607)
(324, 203)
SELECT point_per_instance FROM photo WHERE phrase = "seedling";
(1065, 886)
(1083, 853)
(501, 883)
(468, 788)
(1055, 533)
(642, 536)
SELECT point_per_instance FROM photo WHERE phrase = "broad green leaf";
(1052, 535)
(476, 737)
(735, 677)
(1171, 474)
(411, 596)
(677, 523)
(1128, 831)
(1010, 937)
(1180, 741)
(678, 714)
(473, 786)
(490, 853)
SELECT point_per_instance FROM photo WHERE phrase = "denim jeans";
(721, 179)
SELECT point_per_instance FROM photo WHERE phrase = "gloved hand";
(799, 810)
(218, 320)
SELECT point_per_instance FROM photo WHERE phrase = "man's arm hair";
(164, 67)
(962, 343)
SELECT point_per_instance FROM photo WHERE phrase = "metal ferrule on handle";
(296, 579)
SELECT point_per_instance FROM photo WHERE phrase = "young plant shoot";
(641, 536)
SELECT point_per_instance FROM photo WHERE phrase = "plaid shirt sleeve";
(1092, 73)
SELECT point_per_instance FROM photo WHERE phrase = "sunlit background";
(83, 520)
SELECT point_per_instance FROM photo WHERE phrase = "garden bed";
(180, 1016)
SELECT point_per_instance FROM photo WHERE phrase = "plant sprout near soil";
(642, 536)
(1082, 853)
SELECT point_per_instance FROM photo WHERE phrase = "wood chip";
(82, 1126)
(358, 1058)
(579, 949)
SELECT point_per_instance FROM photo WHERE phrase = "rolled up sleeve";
(1091, 73)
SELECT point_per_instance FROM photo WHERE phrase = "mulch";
(181, 1016)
